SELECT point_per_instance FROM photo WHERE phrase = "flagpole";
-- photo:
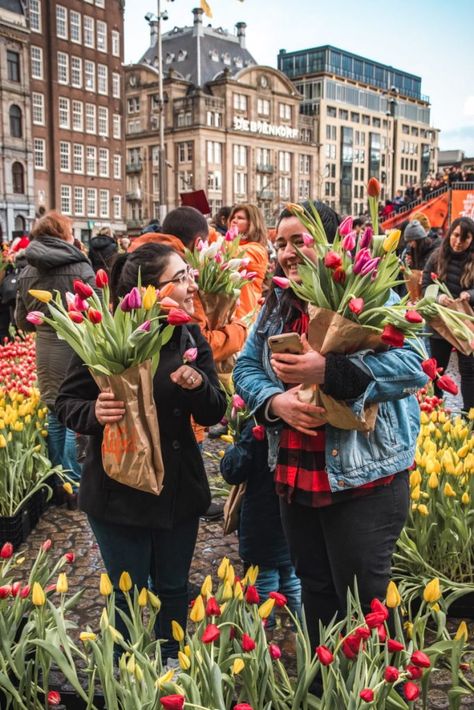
(163, 201)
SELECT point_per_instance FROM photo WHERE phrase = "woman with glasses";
(151, 537)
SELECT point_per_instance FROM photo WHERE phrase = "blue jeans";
(62, 448)
(164, 556)
(279, 579)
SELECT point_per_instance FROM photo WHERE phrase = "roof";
(15, 6)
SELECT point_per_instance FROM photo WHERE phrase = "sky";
(429, 38)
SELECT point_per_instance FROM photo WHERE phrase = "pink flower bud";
(35, 318)
(190, 355)
(349, 241)
(345, 227)
(281, 281)
(308, 240)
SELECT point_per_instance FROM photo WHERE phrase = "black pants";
(330, 546)
(441, 350)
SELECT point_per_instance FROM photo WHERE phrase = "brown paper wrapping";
(413, 284)
(232, 507)
(131, 448)
(441, 327)
(330, 332)
(219, 309)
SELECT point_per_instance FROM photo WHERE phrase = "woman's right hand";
(299, 415)
(108, 410)
(444, 300)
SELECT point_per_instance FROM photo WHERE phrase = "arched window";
(18, 178)
(16, 128)
(20, 223)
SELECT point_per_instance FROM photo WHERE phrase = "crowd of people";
(308, 482)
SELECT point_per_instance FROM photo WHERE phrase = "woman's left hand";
(305, 369)
(464, 295)
(186, 377)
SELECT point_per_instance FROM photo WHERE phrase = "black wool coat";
(185, 491)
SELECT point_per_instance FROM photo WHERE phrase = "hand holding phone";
(286, 343)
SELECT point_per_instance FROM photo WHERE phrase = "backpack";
(9, 287)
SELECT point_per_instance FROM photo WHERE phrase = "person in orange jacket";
(248, 221)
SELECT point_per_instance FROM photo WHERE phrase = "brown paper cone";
(441, 327)
(219, 308)
(413, 284)
(131, 448)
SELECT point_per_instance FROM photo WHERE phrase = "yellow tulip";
(221, 453)
(184, 661)
(43, 296)
(436, 607)
(105, 586)
(459, 469)
(416, 493)
(470, 414)
(3, 441)
(166, 678)
(206, 588)
(465, 498)
(238, 591)
(68, 488)
(222, 569)
(415, 478)
(423, 510)
(424, 419)
(433, 481)
(143, 597)
(149, 298)
(432, 591)
(104, 620)
(138, 673)
(62, 584)
(408, 626)
(252, 574)
(230, 575)
(131, 665)
(448, 491)
(463, 451)
(125, 582)
(87, 636)
(227, 438)
(266, 608)
(154, 600)
(227, 592)
(390, 242)
(393, 598)
(237, 666)
(462, 634)
(197, 612)
(116, 635)
(187, 650)
(38, 596)
(177, 631)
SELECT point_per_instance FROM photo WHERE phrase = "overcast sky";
(429, 38)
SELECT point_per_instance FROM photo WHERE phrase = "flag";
(205, 7)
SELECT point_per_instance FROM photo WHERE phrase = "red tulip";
(374, 619)
(7, 551)
(394, 646)
(76, 317)
(373, 187)
(94, 316)
(5, 591)
(177, 317)
(25, 591)
(101, 278)
(434, 276)
(212, 607)
(382, 633)
(420, 659)
(411, 691)
(275, 651)
(325, 656)
(391, 674)
(414, 671)
(16, 588)
(258, 432)
(363, 632)
(347, 650)
(413, 317)
(251, 595)
(339, 275)
(367, 694)
(173, 702)
(211, 633)
(82, 289)
(242, 706)
(392, 336)
(446, 383)
(332, 260)
(54, 697)
(248, 644)
(356, 305)
(430, 368)
(70, 557)
(280, 599)
(378, 606)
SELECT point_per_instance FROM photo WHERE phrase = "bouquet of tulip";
(122, 352)
(455, 322)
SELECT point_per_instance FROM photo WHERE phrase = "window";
(91, 202)
(304, 190)
(76, 72)
(35, 15)
(13, 66)
(102, 79)
(61, 22)
(214, 180)
(79, 201)
(240, 184)
(101, 30)
(39, 153)
(305, 164)
(330, 152)
(263, 107)
(91, 160)
(117, 126)
(103, 203)
(88, 31)
(284, 184)
(117, 200)
(103, 121)
(78, 115)
(18, 178)
(100, 3)
(36, 62)
(284, 161)
(285, 112)
(331, 133)
(184, 118)
(185, 152)
(66, 201)
(133, 104)
(64, 112)
(331, 111)
(117, 166)
(75, 26)
(104, 162)
(16, 122)
(65, 156)
(185, 180)
(78, 158)
(214, 152)
(37, 108)
(240, 102)
(63, 68)
(214, 119)
(89, 75)
(240, 156)
(91, 125)
(115, 85)
(115, 43)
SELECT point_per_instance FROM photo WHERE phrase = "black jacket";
(261, 538)
(186, 491)
(102, 252)
(422, 252)
(454, 273)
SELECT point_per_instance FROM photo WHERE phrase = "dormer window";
(226, 58)
(182, 54)
(214, 55)
(169, 57)
(238, 62)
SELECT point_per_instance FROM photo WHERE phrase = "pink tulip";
(356, 305)
(178, 317)
(145, 326)
(366, 238)
(134, 298)
(190, 355)
(345, 227)
(35, 318)
(308, 240)
(281, 281)
(238, 402)
(362, 257)
(168, 302)
(370, 266)
(349, 241)
(79, 304)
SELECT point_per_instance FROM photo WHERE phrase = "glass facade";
(346, 169)
(374, 155)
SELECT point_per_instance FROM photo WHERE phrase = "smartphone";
(286, 343)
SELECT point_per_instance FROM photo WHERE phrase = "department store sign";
(264, 128)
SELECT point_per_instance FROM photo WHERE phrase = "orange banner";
(435, 209)
(462, 204)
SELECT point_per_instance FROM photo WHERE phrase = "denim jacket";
(353, 458)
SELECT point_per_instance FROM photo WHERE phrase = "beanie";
(422, 219)
(414, 231)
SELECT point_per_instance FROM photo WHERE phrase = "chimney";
(153, 32)
(198, 30)
(241, 27)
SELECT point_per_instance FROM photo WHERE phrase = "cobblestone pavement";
(69, 531)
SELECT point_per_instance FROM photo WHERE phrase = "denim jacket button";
(334, 452)
(341, 484)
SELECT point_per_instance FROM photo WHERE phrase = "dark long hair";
(445, 253)
(148, 261)
(285, 303)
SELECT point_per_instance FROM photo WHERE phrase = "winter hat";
(414, 231)
(422, 219)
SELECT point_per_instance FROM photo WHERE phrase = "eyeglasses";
(181, 278)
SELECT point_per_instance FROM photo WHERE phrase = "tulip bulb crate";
(16, 528)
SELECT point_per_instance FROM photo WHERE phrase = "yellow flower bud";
(432, 591)
(423, 510)
(465, 498)
(222, 569)
(433, 481)
(415, 478)
(154, 600)
(424, 419)
(462, 634)
(143, 597)
(177, 631)
(104, 620)
(252, 574)
(227, 592)
(227, 438)
(408, 626)
(138, 673)
(238, 591)
(149, 298)
(62, 584)
(206, 589)
(237, 666)
(184, 661)
(393, 598)
(125, 582)
(230, 575)
(463, 451)
(197, 612)
(87, 636)
(416, 493)
(187, 650)
(116, 635)
(105, 586)
(43, 296)
(166, 678)
(68, 488)
(390, 242)
(448, 491)
(3, 441)
(38, 596)
(266, 608)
